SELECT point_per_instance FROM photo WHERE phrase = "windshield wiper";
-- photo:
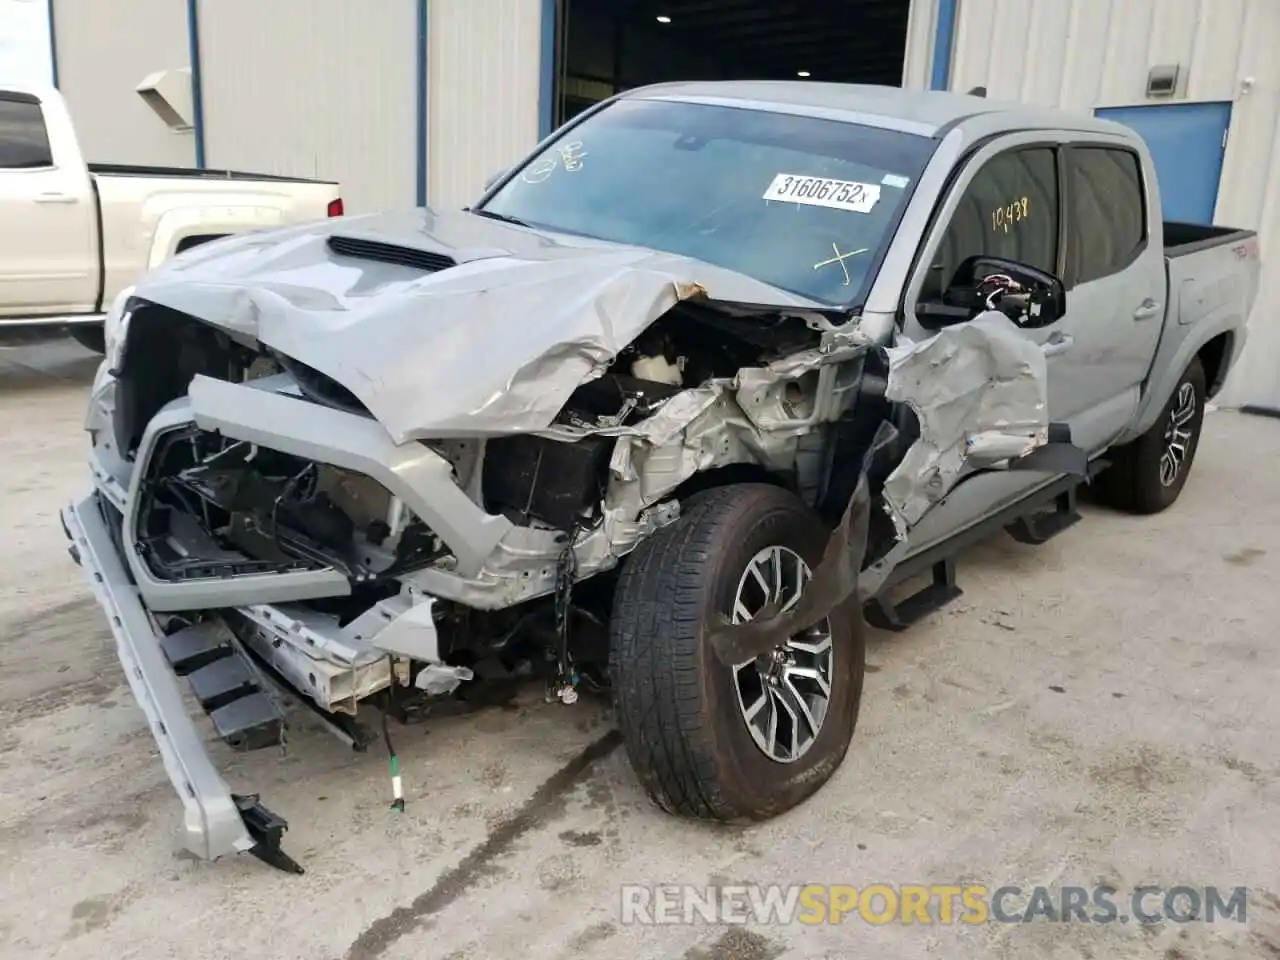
(505, 218)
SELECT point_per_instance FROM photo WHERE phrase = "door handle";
(1147, 309)
(56, 198)
(1058, 343)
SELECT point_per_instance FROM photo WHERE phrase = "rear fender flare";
(1166, 374)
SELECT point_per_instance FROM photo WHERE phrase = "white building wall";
(105, 49)
(483, 64)
(922, 25)
(314, 88)
(1082, 54)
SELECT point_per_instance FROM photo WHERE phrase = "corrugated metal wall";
(921, 24)
(1082, 54)
(314, 88)
(105, 49)
(483, 71)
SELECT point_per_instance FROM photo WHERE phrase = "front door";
(1009, 203)
(1187, 143)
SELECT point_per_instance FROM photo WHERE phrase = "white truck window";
(24, 142)
(1107, 219)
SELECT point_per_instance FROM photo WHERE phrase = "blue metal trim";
(547, 77)
(943, 38)
(53, 45)
(423, 102)
(197, 94)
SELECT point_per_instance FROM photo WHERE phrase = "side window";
(1107, 217)
(1010, 210)
(24, 142)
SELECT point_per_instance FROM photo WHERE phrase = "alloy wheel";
(783, 694)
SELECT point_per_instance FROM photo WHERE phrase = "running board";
(1043, 525)
(266, 829)
(215, 822)
(244, 711)
(884, 614)
(55, 320)
(1036, 520)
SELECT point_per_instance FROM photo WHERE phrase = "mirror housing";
(1027, 295)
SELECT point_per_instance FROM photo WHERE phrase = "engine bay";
(215, 506)
(561, 484)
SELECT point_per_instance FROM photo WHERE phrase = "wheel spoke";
(780, 701)
(775, 562)
(815, 645)
(740, 611)
(1185, 409)
(761, 579)
(752, 711)
(771, 730)
(795, 699)
(798, 588)
(808, 673)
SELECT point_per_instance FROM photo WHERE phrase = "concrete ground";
(1101, 709)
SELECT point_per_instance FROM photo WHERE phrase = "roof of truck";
(917, 111)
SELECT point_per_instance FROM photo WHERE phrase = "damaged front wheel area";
(706, 739)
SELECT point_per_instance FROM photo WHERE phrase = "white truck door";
(48, 229)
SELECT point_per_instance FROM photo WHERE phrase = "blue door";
(1187, 142)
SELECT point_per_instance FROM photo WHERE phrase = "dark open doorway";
(611, 45)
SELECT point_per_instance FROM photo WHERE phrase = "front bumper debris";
(215, 821)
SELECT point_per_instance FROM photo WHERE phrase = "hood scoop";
(424, 260)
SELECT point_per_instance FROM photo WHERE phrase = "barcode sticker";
(824, 192)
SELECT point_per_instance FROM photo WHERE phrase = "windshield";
(804, 204)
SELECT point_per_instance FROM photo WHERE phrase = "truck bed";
(191, 173)
(1181, 239)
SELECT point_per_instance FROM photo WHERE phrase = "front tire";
(1148, 474)
(731, 743)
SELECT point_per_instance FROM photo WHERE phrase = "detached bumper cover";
(211, 823)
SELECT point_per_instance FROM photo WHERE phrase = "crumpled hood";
(494, 345)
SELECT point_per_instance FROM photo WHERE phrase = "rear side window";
(1107, 218)
(24, 142)
(1009, 210)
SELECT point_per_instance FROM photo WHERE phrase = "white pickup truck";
(73, 235)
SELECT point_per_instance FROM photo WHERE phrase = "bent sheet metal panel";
(211, 823)
(979, 391)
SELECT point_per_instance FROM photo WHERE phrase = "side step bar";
(1034, 520)
(57, 320)
(215, 821)
(243, 712)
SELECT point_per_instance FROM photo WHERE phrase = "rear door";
(48, 233)
(1115, 279)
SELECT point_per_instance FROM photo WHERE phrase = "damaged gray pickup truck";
(715, 370)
